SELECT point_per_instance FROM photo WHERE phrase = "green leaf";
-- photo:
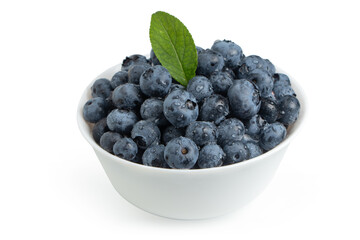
(174, 46)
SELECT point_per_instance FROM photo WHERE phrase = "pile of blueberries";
(236, 108)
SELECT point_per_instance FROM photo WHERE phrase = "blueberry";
(252, 146)
(108, 140)
(235, 152)
(272, 135)
(281, 77)
(99, 129)
(127, 96)
(215, 108)
(155, 81)
(289, 108)
(176, 86)
(281, 90)
(230, 72)
(209, 61)
(145, 133)
(171, 132)
(272, 97)
(121, 121)
(181, 153)
(262, 80)
(152, 109)
(254, 126)
(252, 62)
(282, 86)
(101, 88)
(231, 52)
(230, 130)
(153, 59)
(269, 110)
(199, 49)
(201, 132)
(180, 108)
(118, 79)
(244, 99)
(135, 59)
(221, 82)
(200, 87)
(249, 64)
(196, 166)
(95, 109)
(135, 72)
(110, 103)
(154, 156)
(269, 67)
(138, 157)
(211, 155)
(125, 148)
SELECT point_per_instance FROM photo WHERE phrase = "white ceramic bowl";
(195, 193)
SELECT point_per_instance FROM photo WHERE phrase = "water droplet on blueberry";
(199, 88)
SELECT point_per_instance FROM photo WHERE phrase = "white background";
(53, 187)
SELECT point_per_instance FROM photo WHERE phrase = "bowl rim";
(295, 128)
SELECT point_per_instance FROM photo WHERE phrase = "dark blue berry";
(135, 59)
(272, 135)
(108, 140)
(214, 109)
(289, 108)
(138, 157)
(231, 52)
(230, 72)
(154, 156)
(209, 61)
(272, 97)
(99, 129)
(121, 121)
(180, 108)
(155, 81)
(244, 99)
(125, 148)
(252, 146)
(263, 80)
(230, 130)
(199, 49)
(95, 109)
(145, 133)
(176, 86)
(135, 72)
(118, 79)
(211, 155)
(269, 67)
(281, 77)
(252, 62)
(153, 59)
(201, 132)
(127, 96)
(200, 87)
(110, 103)
(235, 152)
(254, 126)
(152, 109)
(282, 86)
(101, 88)
(269, 110)
(172, 132)
(181, 153)
(221, 82)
